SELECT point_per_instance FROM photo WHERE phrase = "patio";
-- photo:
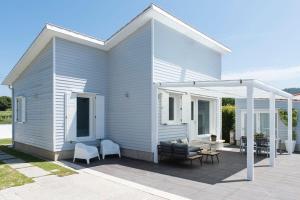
(225, 180)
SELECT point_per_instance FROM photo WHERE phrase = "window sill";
(173, 123)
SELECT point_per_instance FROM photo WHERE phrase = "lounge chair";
(108, 147)
(86, 152)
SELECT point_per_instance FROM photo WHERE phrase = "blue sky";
(264, 35)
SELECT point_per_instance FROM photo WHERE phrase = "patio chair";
(86, 152)
(109, 147)
(262, 145)
(243, 144)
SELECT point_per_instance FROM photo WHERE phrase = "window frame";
(92, 129)
(177, 109)
(257, 113)
(23, 110)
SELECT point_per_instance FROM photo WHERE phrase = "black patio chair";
(262, 145)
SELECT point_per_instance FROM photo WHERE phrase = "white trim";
(23, 110)
(92, 110)
(177, 109)
(212, 118)
(54, 91)
(154, 101)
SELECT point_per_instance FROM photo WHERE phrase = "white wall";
(5, 131)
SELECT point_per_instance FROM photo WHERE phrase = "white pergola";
(248, 89)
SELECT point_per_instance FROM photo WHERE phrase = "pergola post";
(272, 129)
(250, 133)
(290, 127)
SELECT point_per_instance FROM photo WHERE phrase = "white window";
(170, 108)
(20, 109)
(174, 111)
(261, 122)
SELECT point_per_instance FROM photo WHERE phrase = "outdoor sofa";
(178, 150)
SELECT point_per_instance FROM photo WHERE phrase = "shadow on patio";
(166, 172)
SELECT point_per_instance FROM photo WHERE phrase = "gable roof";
(151, 12)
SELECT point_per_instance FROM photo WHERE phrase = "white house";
(155, 79)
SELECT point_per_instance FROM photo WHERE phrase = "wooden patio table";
(208, 153)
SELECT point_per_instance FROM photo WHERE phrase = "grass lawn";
(44, 164)
(6, 141)
(9, 177)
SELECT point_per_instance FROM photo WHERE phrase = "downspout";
(13, 114)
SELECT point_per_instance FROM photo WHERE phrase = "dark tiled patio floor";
(225, 180)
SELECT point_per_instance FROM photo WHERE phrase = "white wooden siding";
(78, 69)
(193, 58)
(129, 91)
(177, 58)
(169, 132)
(36, 84)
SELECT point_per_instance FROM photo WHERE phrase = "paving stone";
(6, 157)
(17, 163)
(33, 172)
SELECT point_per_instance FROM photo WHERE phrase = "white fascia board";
(271, 89)
(74, 36)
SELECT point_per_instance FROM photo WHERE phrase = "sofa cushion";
(167, 143)
(194, 149)
(192, 153)
(184, 141)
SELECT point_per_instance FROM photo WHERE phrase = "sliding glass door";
(203, 117)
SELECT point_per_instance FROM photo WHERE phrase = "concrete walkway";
(21, 166)
(84, 185)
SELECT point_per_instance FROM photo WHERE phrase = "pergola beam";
(229, 83)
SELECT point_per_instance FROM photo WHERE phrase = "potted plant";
(283, 114)
(213, 138)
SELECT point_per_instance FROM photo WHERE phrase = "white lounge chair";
(108, 147)
(86, 152)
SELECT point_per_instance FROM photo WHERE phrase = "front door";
(85, 117)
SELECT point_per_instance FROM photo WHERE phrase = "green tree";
(228, 101)
(283, 115)
(228, 121)
(5, 103)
